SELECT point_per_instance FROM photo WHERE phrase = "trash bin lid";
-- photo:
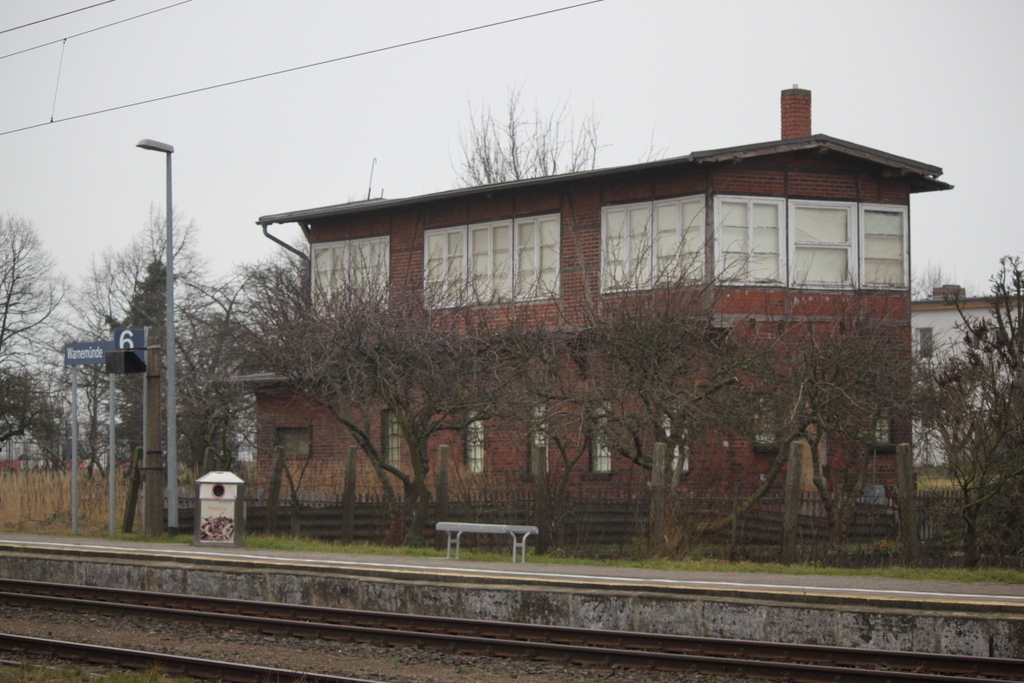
(219, 478)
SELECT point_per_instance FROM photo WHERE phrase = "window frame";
(391, 438)
(538, 293)
(648, 275)
(680, 463)
(850, 246)
(782, 213)
(446, 298)
(924, 340)
(539, 437)
(862, 232)
(600, 449)
(515, 290)
(475, 446)
(305, 432)
(350, 245)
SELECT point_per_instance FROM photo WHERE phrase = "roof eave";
(923, 176)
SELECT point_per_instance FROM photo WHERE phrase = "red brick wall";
(723, 460)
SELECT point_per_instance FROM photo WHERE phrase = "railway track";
(139, 659)
(584, 646)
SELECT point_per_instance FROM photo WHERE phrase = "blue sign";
(87, 353)
(131, 339)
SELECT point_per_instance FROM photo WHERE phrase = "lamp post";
(172, 406)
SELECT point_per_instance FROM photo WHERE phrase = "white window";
(600, 452)
(822, 244)
(681, 451)
(643, 245)
(352, 266)
(538, 445)
(925, 342)
(505, 259)
(749, 234)
(537, 256)
(884, 246)
(475, 446)
(490, 265)
(392, 438)
(445, 265)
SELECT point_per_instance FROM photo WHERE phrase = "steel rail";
(579, 645)
(140, 659)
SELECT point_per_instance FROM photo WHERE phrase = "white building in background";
(938, 328)
(937, 321)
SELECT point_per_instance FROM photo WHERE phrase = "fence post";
(658, 497)
(791, 502)
(348, 498)
(909, 545)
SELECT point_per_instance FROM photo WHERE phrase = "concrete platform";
(978, 619)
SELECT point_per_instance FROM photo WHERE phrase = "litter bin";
(220, 509)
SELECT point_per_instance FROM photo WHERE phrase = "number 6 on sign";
(131, 339)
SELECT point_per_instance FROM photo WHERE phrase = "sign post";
(75, 354)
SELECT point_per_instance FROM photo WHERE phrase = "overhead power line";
(93, 30)
(354, 55)
(56, 16)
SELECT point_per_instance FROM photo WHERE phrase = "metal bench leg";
(519, 544)
(523, 545)
(458, 541)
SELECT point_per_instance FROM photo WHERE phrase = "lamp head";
(155, 146)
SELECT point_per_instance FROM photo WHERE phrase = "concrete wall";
(983, 631)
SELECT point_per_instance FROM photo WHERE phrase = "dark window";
(925, 342)
(294, 441)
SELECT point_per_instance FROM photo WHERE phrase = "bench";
(459, 528)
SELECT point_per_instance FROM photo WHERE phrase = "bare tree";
(30, 294)
(971, 402)
(356, 352)
(840, 383)
(515, 145)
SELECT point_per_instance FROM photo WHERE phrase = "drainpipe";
(302, 254)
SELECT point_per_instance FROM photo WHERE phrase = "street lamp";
(172, 404)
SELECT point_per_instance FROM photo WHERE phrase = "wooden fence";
(581, 522)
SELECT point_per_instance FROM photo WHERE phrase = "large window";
(445, 262)
(506, 258)
(822, 243)
(354, 266)
(884, 247)
(749, 237)
(652, 243)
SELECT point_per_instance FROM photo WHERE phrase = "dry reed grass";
(39, 501)
(35, 500)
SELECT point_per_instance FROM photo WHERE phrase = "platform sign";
(87, 353)
(131, 339)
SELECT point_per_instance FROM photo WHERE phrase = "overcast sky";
(938, 82)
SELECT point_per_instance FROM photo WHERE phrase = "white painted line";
(591, 578)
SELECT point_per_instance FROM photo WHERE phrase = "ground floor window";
(475, 446)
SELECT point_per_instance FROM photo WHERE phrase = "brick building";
(805, 227)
